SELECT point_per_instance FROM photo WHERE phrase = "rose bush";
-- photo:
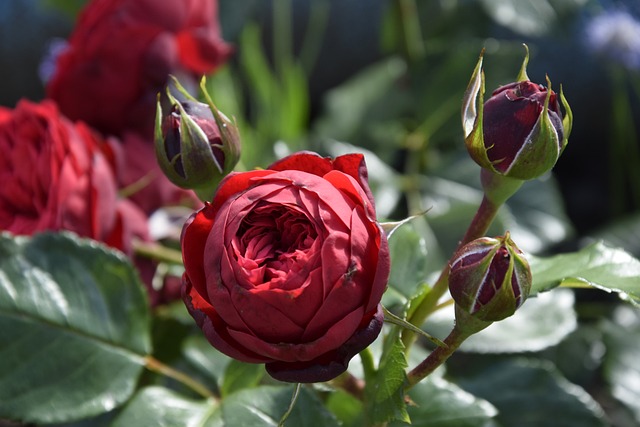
(55, 177)
(121, 52)
(287, 266)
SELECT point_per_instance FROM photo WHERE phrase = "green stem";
(157, 252)
(154, 365)
(411, 31)
(466, 325)
(479, 225)
(368, 365)
(436, 358)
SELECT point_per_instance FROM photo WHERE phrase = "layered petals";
(287, 266)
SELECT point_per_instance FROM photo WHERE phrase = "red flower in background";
(55, 177)
(121, 53)
(287, 266)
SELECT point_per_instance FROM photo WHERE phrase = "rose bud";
(520, 131)
(490, 278)
(196, 145)
(287, 266)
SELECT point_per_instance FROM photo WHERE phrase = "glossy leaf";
(621, 367)
(439, 403)
(530, 393)
(540, 323)
(597, 265)
(206, 359)
(74, 328)
(157, 406)
(265, 405)
(385, 391)
(239, 375)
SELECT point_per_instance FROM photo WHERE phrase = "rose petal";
(333, 363)
(334, 336)
(213, 328)
(193, 242)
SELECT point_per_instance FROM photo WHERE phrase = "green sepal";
(567, 121)
(541, 150)
(472, 114)
(229, 134)
(522, 75)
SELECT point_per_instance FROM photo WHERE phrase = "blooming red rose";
(121, 53)
(287, 266)
(54, 177)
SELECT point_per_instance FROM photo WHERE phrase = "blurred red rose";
(120, 55)
(55, 177)
(287, 266)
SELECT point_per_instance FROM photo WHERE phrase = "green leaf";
(439, 403)
(385, 392)
(239, 375)
(540, 323)
(621, 367)
(408, 260)
(265, 405)
(158, 406)
(531, 393)
(347, 408)
(597, 265)
(206, 359)
(74, 328)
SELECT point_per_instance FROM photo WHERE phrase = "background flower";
(55, 177)
(120, 55)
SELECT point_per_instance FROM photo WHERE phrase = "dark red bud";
(510, 116)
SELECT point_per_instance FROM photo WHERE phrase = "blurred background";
(386, 77)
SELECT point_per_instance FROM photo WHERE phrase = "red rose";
(287, 266)
(54, 177)
(121, 53)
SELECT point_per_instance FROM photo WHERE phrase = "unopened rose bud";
(490, 278)
(196, 145)
(520, 131)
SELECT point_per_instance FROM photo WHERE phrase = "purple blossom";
(615, 34)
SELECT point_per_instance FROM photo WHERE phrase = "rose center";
(274, 240)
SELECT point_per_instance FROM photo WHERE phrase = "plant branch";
(157, 252)
(477, 228)
(154, 365)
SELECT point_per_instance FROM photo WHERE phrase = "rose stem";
(154, 365)
(157, 252)
(436, 358)
(465, 326)
(497, 191)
